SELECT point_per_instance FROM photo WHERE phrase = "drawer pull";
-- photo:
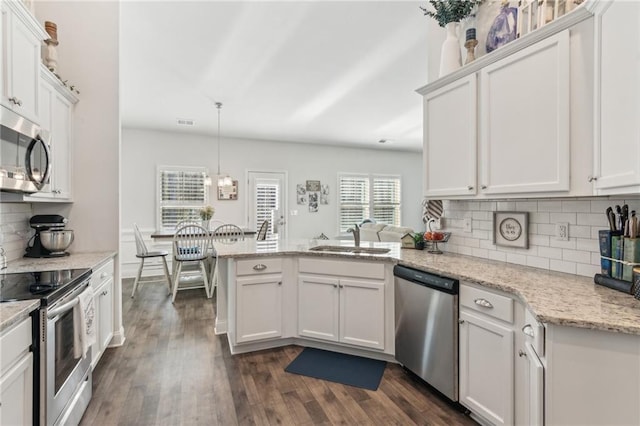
(105, 292)
(521, 353)
(279, 282)
(460, 321)
(528, 330)
(259, 267)
(484, 303)
(104, 275)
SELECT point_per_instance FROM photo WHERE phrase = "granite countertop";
(13, 312)
(553, 297)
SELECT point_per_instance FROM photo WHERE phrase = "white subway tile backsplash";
(579, 255)
(550, 206)
(576, 206)
(14, 228)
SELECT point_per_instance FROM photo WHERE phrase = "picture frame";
(228, 192)
(511, 229)
(313, 186)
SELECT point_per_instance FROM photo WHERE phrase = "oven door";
(65, 373)
(25, 159)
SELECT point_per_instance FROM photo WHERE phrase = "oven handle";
(62, 309)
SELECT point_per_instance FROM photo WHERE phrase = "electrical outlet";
(467, 225)
(562, 231)
(294, 212)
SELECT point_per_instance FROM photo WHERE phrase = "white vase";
(206, 223)
(450, 56)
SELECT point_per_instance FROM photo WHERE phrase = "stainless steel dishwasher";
(426, 311)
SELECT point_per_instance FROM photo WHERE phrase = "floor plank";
(174, 370)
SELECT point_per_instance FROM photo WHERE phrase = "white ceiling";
(331, 72)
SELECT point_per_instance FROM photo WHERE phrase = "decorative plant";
(206, 213)
(418, 237)
(446, 11)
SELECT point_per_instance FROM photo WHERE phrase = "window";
(182, 193)
(368, 196)
(267, 199)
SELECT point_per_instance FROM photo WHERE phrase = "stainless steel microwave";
(25, 159)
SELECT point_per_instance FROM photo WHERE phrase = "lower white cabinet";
(341, 309)
(103, 299)
(259, 307)
(16, 375)
(259, 296)
(486, 355)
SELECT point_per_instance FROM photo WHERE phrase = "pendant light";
(225, 180)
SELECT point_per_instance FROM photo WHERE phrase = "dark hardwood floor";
(174, 370)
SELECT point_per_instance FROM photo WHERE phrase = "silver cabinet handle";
(260, 267)
(15, 101)
(460, 321)
(528, 330)
(104, 293)
(521, 353)
(335, 286)
(484, 187)
(484, 303)
(340, 285)
(279, 282)
(470, 188)
(592, 178)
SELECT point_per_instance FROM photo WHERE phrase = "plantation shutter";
(386, 200)
(182, 194)
(354, 200)
(267, 199)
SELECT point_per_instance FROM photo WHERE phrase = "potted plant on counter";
(418, 240)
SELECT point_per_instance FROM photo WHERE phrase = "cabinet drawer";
(102, 273)
(14, 342)
(343, 268)
(267, 265)
(487, 302)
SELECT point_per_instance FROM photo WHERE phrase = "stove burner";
(46, 286)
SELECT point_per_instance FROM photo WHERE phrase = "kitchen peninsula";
(590, 341)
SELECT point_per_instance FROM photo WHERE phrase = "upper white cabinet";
(450, 133)
(21, 41)
(617, 71)
(517, 122)
(524, 120)
(56, 107)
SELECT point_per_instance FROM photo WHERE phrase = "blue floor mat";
(340, 368)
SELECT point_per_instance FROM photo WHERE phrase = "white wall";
(144, 150)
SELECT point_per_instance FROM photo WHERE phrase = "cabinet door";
(617, 133)
(16, 393)
(535, 388)
(318, 307)
(486, 368)
(61, 146)
(362, 312)
(524, 120)
(258, 308)
(449, 146)
(21, 51)
(105, 317)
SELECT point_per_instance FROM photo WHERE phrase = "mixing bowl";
(56, 241)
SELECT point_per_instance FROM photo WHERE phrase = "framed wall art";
(228, 192)
(313, 186)
(511, 229)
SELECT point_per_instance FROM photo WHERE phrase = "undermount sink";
(346, 249)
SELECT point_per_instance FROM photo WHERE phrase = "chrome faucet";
(356, 234)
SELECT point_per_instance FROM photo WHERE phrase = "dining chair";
(143, 253)
(262, 232)
(185, 223)
(190, 246)
(226, 233)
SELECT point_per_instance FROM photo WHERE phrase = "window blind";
(365, 196)
(182, 193)
(267, 199)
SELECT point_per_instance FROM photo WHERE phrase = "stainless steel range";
(62, 380)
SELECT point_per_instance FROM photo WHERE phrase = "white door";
(267, 201)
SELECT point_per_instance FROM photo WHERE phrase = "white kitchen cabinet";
(342, 302)
(259, 296)
(102, 281)
(56, 108)
(486, 355)
(524, 120)
(22, 36)
(450, 139)
(617, 71)
(16, 375)
(529, 391)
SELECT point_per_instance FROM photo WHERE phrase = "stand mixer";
(46, 222)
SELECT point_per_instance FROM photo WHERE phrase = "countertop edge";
(14, 312)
